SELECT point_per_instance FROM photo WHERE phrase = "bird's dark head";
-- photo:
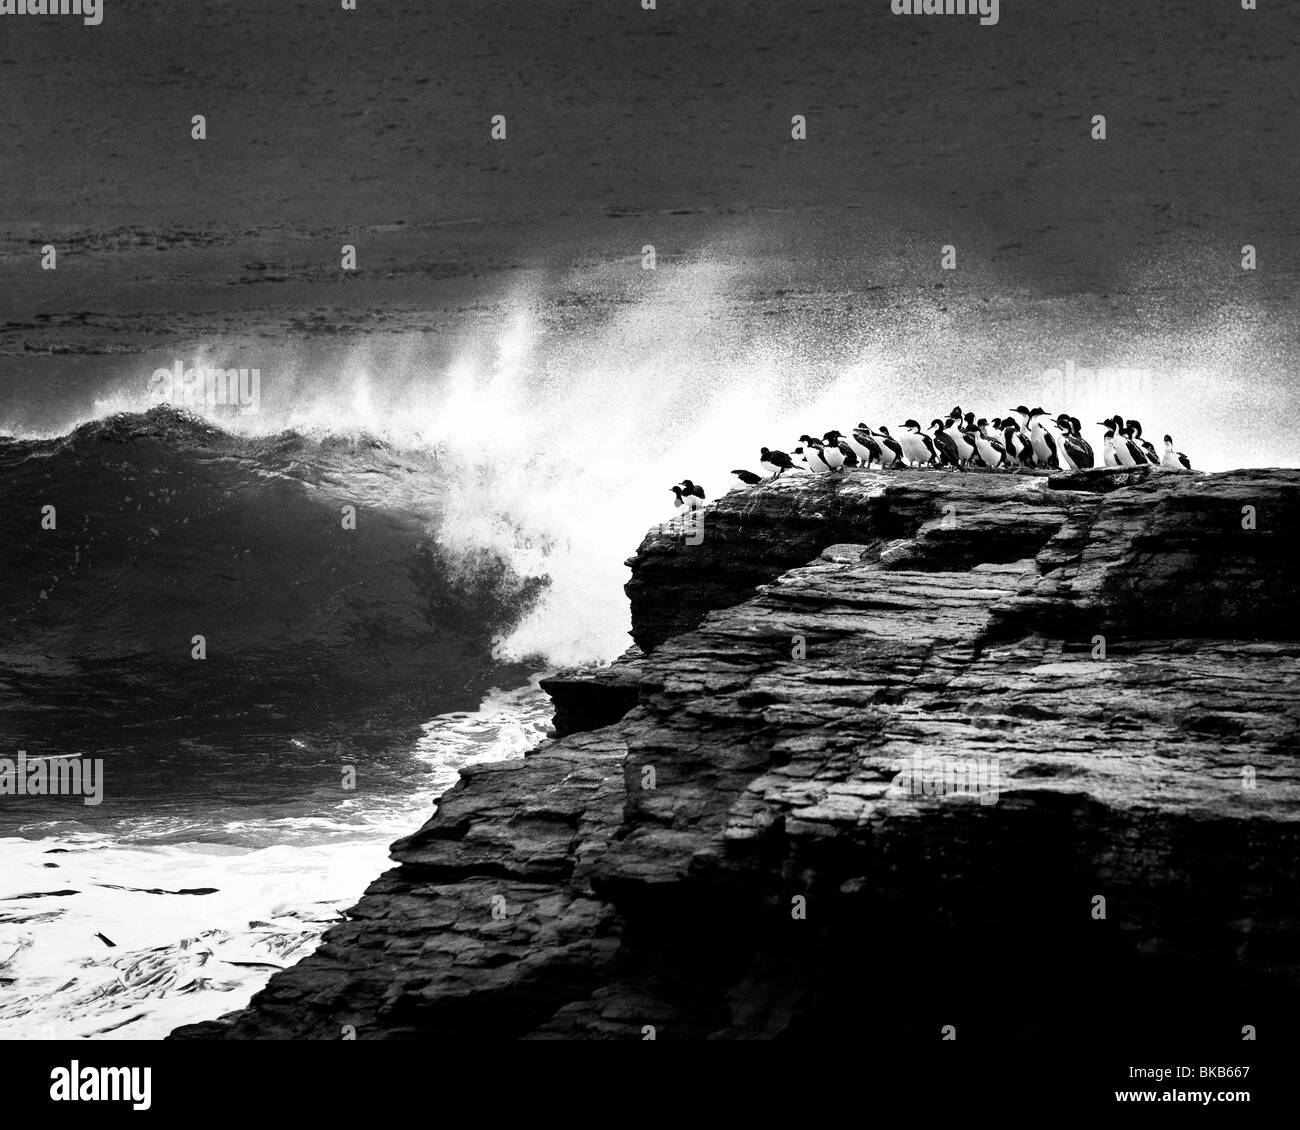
(832, 437)
(910, 424)
(936, 423)
(687, 485)
(983, 423)
(764, 452)
(955, 414)
(969, 417)
(884, 431)
(1169, 439)
(1021, 409)
(806, 439)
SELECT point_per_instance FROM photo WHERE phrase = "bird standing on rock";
(1018, 423)
(1109, 450)
(847, 454)
(945, 446)
(1078, 448)
(810, 450)
(1047, 448)
(953, 429)
(692, 494)
(1127, 453)
(991, 451)
(1174, 458)
(891, 451)
(1024, 437)
(746, 478)
(811, 460)
(916, 445)
(1135, 433)
(776, 463)
(1016, 442)
(864, 446)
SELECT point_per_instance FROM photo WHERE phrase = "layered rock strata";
(1000, 754)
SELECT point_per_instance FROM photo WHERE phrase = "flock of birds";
(1028, 437)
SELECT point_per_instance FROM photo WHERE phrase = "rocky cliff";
(1008, 754)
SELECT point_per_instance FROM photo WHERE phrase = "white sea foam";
(179, 958)
(561, 414)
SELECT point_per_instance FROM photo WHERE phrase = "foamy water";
(559, 422)
(553, 433)
(180, 958)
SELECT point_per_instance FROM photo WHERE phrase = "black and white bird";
(1079, 449)
(917, 447)
(970, 430)
(1019, 449)
(811, 450)
(1040, 451)
(1049, 450)
(812, 460)
(1067, 454)
(1134, 432)
(746, 478)
(776, 463)
(891, 451)
(1109, 456)
(991, 451)
(1109, 448)
(1174, 458)
(836, 440)
(945, 446)
(1127, 453)
(692, 494)
(1020, 415)
(955, 428)
(865, 446)
(678, 500)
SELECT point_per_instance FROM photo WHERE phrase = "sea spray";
(559, 414)
(276, 884)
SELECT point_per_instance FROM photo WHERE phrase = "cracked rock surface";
(897, 752)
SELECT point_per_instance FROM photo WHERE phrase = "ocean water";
(265, 879)
(251, 783)
(283, 631)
